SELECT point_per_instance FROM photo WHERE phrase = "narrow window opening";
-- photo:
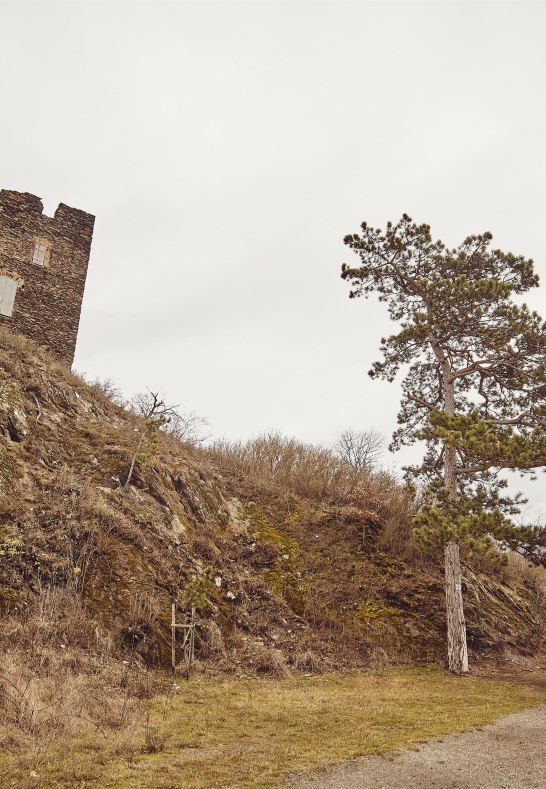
(40, 252)
(8, 289)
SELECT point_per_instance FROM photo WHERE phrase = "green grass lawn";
(250, 732)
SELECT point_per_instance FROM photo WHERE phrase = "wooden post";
(188, 640)
(173, 637)
(191, 635)
(192, 631)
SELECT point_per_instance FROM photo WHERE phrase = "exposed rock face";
(43, 267)
(500, 615)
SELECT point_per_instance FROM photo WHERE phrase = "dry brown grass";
(250, 733)
(60, 679)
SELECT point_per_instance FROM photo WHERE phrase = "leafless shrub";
(211, 640)
(158, 416)
(360, 448)
(305, 469)
(306, 661)
(379, 506)
(269, 660)
(154, 740)
(58, 620)
(515, 569)
(143, 612)
(109, 388)
(397, 507)
(58, 679)
(187, 427)
(150, 404)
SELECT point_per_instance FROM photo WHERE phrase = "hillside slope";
(310, 581)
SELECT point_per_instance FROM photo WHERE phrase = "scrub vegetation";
(298, 562)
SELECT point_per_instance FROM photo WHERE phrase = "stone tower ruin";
(43, 266)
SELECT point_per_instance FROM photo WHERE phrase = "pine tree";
(474, 390)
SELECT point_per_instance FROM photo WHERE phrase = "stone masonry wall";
(49, 296)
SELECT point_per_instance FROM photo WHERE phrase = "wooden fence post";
(173, 637)
(188, 642)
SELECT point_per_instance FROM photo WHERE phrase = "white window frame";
(8, 291)
(41, 253)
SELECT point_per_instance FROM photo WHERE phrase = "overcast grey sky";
(227, 147)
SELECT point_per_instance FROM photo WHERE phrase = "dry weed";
(264, 659)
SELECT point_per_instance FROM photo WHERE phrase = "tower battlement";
(43, 268)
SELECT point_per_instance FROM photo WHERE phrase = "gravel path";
(509, 754)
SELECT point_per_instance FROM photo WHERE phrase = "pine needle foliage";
(475, 384)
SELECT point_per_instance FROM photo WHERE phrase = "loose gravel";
(509, 754)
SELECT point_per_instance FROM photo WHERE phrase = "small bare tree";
(150, 405)
(360, 448)
(187, 428)
(156, 414)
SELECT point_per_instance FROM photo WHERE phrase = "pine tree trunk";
(457, 653)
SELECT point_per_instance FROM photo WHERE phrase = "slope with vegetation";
(292, 557)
